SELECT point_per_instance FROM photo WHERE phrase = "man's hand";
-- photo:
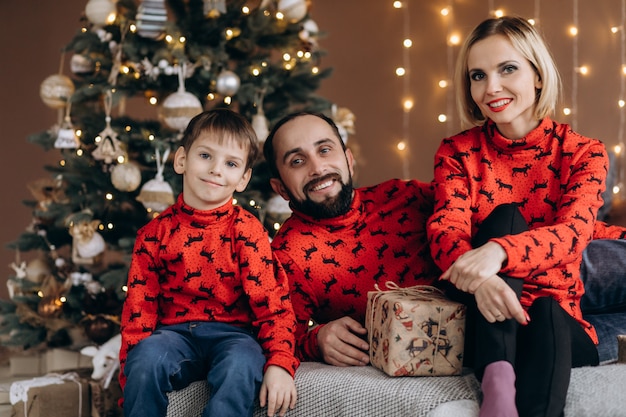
(498, 302)
(278, 391)
(341, 344)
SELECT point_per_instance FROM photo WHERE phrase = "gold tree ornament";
(293, 10)
(87, 244)
(180, 107)
(126, 177)
(56, 91)
(156, 195)
(48, 191)
(109, 147)
(344, 119)
(101, 12)
(37, 270)
(50, 306)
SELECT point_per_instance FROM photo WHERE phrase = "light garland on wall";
(618, 188)
(403, 145)
(453, 39)
(575, 69)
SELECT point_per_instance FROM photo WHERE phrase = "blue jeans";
(172, 357)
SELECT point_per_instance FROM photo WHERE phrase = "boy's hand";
(278, 391)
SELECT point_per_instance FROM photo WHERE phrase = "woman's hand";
(474, 267)
(498, 302)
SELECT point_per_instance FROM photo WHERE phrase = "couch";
(328, 391)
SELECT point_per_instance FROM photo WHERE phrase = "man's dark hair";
(268, 147)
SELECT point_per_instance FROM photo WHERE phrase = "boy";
(203, 283)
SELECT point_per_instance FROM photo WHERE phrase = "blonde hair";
(528, 42)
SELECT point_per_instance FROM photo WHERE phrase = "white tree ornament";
(180, 107)
(156, 195)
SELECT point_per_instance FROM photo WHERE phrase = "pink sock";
(498, 386)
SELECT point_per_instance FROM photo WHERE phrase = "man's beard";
(330, 207)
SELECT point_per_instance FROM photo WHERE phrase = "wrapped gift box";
(105, 401)
(415, 331)
(30, 364)
(52, 395)
(63, 360)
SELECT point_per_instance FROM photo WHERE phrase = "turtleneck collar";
(350, 218)
(188, 214)
(535, 137)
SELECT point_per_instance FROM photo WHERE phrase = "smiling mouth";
(500, 103)
(212, 183)
(321, 184)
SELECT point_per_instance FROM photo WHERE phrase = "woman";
(516, 203)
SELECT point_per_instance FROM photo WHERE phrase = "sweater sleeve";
(304, 304)
(564, 241)
(140, 311)
(603, 230)
(449, 228)
(266, 286)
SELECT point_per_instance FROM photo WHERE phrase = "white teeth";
(499, 103)
(322, 186)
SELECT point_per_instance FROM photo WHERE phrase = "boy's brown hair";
(226, 125)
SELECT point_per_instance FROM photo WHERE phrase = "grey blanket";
(328, 391)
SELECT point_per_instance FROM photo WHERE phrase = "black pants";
(542, 352)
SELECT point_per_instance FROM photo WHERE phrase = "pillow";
(603, 271)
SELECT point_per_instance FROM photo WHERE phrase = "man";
(341, 242)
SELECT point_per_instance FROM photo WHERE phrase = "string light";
(453, 40)
(453, 37)
(573, 31)
(404, 72)
(618, 189)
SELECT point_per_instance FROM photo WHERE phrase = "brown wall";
(363, 41)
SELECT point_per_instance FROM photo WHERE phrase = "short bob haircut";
(528, 42)
(224, 125)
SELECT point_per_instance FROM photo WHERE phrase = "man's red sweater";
(333, 263)
(555, 175)
(216, 265)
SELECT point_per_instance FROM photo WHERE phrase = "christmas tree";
(139, 73)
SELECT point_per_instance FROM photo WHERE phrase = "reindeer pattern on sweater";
(333, 263)
(554, 175)
(216, 265)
